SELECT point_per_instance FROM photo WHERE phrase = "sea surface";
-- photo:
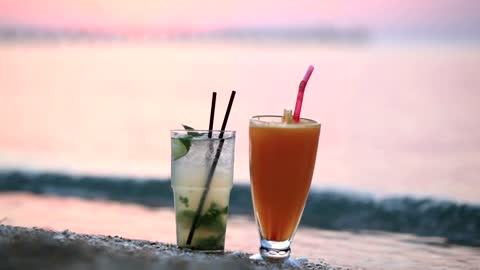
(396, 120)
(453, 223)
(350, 230)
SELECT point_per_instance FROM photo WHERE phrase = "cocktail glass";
(282, 160)
(201, 194)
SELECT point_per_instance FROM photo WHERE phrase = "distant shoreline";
(317, 34)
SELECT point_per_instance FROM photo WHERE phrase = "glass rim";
(202, 130)
(255, 118)
(227, 134)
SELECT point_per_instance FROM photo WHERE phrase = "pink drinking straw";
(301, 90)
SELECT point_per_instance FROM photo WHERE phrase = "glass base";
(277, 252)
(221, 251)
(213, 251)
(283, 262)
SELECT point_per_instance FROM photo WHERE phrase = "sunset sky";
(377, 15)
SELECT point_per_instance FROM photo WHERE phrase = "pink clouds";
(376, 14)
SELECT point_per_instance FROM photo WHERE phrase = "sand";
(34, 248)
(349, 249)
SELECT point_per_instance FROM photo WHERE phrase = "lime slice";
(180, 148)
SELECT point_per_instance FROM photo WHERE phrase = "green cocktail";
(201, 194)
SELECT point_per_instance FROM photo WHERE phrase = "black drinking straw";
(212, 170)
(212, 114)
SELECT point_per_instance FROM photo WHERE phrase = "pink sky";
(375, 14)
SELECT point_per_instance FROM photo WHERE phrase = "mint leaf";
(185, 217)
(192, 133)
(184, 200)
(213, 219)
(187, 127)
(210, 243)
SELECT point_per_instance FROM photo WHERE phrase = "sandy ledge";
(34, 248)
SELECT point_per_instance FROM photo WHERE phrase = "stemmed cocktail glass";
(282, 160)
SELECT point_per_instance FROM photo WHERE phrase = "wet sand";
(356, 250)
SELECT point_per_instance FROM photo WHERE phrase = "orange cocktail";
(282, 160)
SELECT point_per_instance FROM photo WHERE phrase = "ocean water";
(343, 229)
(453, 223)
(357, 250)
(396, 120)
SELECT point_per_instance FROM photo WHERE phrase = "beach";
(85, 145)
(26, 248)
(349, 249)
